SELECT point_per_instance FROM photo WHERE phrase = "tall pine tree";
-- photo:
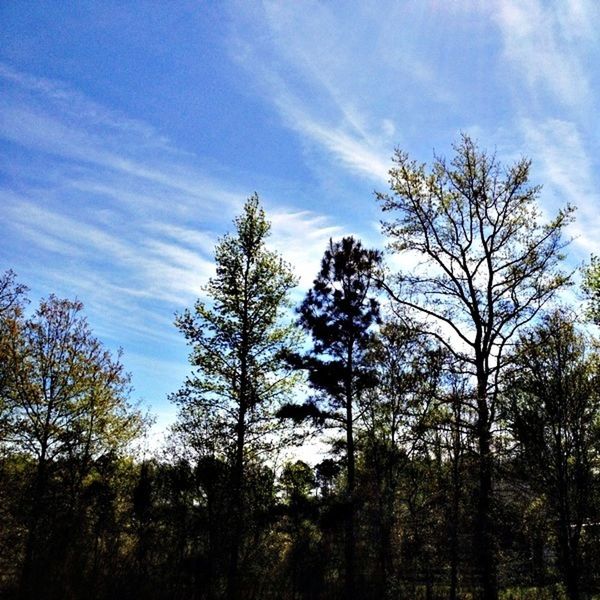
(237, 340)
(338, 313)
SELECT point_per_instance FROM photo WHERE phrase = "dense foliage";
(454, 409)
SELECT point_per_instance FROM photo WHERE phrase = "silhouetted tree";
(554, 393)
(338, 312)
(487, 266)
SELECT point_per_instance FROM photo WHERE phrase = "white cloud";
(52, 118)
(543, 43)
(307, 66)
(560, 155)
(550, 48)
(354, 152)
(301, 237)
(165, 270)
(80, 107)
(122, 220)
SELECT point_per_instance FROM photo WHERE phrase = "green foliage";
(591, 288)
(67, 397)
(238, 340)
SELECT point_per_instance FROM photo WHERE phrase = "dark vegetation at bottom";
(161, 531)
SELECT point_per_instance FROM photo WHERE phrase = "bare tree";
(487, 266)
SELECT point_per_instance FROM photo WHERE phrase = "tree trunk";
(484, 533)
(455, 502)
(454, 531)
(237, 508)
(30, 575)
(237, 504)
(568, 556)
(350, 533)
(572, 581)
(383, 555)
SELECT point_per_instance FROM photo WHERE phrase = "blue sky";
(131, 134)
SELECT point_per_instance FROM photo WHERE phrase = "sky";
(132, 133)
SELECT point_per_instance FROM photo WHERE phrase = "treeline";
(449, 412)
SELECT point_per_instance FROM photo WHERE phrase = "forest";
(444, 392)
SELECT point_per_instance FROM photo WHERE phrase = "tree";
(338, 312)
(591, 288)
(487, 266)
(238, 341)
(68, 406)
(395, 414)
(70, 397)
(554, 408)
(12, 299)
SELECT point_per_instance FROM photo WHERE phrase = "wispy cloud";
(343, 135)
(548, 49)
(306, 65)
(311, 63)
(103, 207)
(155, 269)
(546, 44)
(565, 165)
(80, 107)
(354, 80)
(49, 117)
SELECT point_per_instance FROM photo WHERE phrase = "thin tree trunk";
(484, 530)
(454, 531)
(237, 504)
(350, 533)
(484, 533)
(237, 508)
(455, 503)
(30, 573)
(569, 562)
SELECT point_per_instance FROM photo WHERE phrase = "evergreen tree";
(238, 341)
(338, 312)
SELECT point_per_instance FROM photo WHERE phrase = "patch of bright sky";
(131, 134)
